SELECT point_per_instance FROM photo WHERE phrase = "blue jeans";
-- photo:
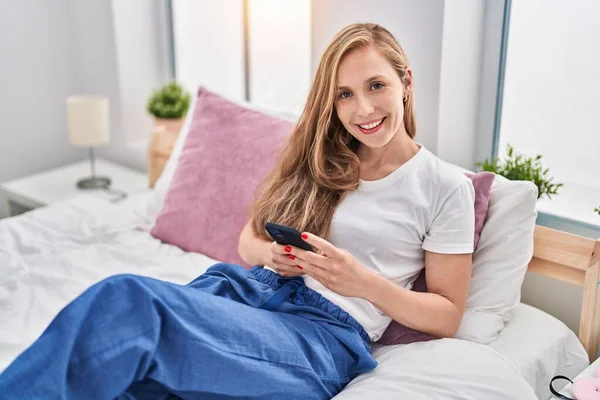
(230, 333)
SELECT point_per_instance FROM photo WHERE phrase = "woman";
(375, 205)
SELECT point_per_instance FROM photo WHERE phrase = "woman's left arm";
(437, 312)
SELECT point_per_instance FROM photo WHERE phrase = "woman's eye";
(377, 85)
(344, 95)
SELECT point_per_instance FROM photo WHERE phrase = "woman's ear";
(407, 81)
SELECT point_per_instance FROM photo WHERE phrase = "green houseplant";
(519, 167)
(169, 105)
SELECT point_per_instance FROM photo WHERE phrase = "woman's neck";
(386, 159)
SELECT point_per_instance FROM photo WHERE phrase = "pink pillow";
(397, 333)
(228, 151)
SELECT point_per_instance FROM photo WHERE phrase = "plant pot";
(172, 125)
(161, 145)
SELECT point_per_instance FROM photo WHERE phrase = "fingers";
(291, 255)
(285, 265)
(318, 243)
(284, 259)
(310, 258)
(277, 248)
(313, 271)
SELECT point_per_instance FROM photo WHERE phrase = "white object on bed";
(439, 370)
(540, 346)
(52, 254)
(536, 344)
(501, 259)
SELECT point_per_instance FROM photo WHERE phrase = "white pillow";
(501, 259)
(157, 198)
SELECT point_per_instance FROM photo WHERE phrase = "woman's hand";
(282, 262)
(336, 269)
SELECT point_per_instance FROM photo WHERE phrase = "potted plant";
(522, 168)
(168, 105)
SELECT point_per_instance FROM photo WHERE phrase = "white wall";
(97, 69)
(36, 76)
(418, 28)
(460, 80)
(552, 86)
(53, 49)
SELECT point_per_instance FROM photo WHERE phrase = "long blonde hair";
(318, 164)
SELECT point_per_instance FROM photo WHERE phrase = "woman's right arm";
(257, 251)
(252, 249)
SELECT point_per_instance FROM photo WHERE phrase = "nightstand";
(586, 373)
(27, 193)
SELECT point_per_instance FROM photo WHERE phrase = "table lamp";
(88, 125)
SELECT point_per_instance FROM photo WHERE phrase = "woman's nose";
(365, 108)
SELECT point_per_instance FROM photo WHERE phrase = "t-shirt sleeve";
(453, 228)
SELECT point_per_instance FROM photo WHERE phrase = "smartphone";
(287, 236)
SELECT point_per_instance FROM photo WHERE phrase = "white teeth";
(371, 126)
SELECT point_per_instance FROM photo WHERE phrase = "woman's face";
(369, 97)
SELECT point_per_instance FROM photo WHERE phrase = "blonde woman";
(375, 205)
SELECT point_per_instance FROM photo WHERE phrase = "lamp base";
(94, 183)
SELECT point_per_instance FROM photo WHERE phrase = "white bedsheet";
(541, 346)
(50, 255)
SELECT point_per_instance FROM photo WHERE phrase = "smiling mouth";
(371, 128)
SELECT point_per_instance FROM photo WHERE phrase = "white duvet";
(51, 255)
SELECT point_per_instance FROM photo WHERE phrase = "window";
(234, 47)
(551, 98)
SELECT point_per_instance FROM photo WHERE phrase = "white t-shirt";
(387, 224)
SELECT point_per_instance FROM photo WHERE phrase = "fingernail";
(304, 236)
(291, 257)
(299, 266)
(287, 248)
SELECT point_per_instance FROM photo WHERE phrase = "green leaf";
(169, 101)
(519, 167)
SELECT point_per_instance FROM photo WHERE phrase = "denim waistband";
(294, 288)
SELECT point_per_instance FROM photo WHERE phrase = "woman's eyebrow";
(371, 79)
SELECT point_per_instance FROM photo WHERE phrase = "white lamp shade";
(88, 120)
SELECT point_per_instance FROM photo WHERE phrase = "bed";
(50, 255)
